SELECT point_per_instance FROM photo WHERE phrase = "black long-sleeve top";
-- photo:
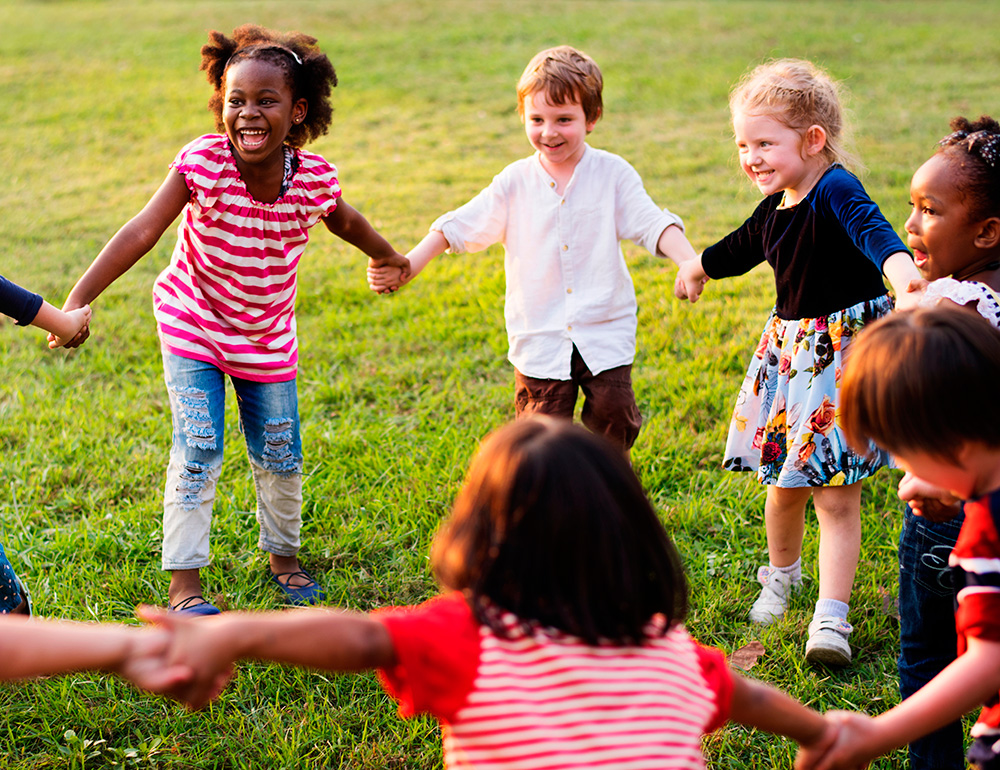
(20, 304)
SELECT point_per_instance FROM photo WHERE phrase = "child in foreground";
(954, 233)
(922, 385)
(829, 246)
(559, 641)
(225, 306)
(26, 307)
(570, 305)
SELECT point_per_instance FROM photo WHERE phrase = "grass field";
(396, 392)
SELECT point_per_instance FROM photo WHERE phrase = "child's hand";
(146, 665)
(197, 650)
(385, 280)
(854, 748)
(809, 754)
(925, 499)
(910, 298)
(397, 260)
(75, 326)
(691, 279)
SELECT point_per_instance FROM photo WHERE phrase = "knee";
(278, 455)
(194, 418)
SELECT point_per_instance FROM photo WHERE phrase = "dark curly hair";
(552, 525)
(975, 148)
(310, 73)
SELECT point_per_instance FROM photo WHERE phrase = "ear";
(299, 111)
(592, 123)
(988, 236)
(814, 140)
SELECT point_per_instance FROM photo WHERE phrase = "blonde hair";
(565, 75)
(798, 94)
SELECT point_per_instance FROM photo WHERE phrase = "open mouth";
(920, 258)
(252, 138)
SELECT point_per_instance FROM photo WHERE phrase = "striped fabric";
(545, 700)
(975, 563)
(228, 295)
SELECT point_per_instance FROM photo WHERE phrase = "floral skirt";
(785, 424)
(11, 589)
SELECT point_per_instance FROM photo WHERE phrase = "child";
(954, 232)
(900, 391)
(225, 304)
(560, 641)
(788, 124)
(560, 214)
(25, 308)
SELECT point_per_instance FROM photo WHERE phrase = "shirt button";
(552, 184)
(565, 247)
(569, 328)
(569, 291)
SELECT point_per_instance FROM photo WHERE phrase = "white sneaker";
(828, 641)
(773, 599)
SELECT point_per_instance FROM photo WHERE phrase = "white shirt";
(567, 282)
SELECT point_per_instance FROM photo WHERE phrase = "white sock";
(831, 607)
(793, 570)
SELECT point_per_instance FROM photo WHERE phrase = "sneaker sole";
(827, 656)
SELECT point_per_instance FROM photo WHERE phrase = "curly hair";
(798, 94)
(309, 72)
(974, 148)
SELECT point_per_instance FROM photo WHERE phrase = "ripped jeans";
(269, 420)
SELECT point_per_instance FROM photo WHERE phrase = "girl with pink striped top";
(225, 306)
(559, 642)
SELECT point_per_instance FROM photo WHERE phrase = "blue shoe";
(298, 595)
(191, 606)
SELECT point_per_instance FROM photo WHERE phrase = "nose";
(910, 225)
(248, 111)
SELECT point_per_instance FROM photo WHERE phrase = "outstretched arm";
(316, 638)
(347, 223)
(905, 279)
(756, 704)
(32, 647)
(385, 280)
(127, 247)
(61, 326)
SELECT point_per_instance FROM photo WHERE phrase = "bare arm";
(905, 279)
(756, 704)
(387, 279)
(348, 224)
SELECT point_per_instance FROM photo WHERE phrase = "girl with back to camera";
(226, 303)
(559, 642)
(829, 246)
(954, 232)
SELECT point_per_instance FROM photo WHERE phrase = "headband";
(984, 143)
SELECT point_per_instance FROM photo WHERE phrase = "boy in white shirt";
(570, 305)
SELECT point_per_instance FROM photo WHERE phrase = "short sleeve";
(437, 646)
(719, 679)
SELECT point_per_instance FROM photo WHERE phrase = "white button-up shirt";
(567, 282)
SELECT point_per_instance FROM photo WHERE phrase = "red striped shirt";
(228, 295)
(542, 699)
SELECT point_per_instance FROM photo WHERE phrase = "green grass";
(396, 392)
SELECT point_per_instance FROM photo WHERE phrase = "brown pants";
(609, 407)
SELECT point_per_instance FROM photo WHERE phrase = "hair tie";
(985, 144)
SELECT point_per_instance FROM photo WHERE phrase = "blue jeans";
(927, 638)
(269, 420)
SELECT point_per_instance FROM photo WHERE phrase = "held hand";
(385, 280)
(397, 260)
(910, 298)
(853, 749)
(925, 499)
(78, 322)
(691, 280)
(810, 754)
(194, 648)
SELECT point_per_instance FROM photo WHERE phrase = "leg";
(838, 510)
(784, 520)
(197, 402)
(269, 417)
(556, 398)
(609, 407)
(927, 639)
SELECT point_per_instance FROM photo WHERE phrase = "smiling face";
(940, 231)
(776, 157)
(259, 110)
(557, 131)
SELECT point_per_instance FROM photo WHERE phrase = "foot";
(774, 595)
(827, 643)
(297, 586)
(194, 605)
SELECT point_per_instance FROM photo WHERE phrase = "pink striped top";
(542, 699)
(228, 295)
